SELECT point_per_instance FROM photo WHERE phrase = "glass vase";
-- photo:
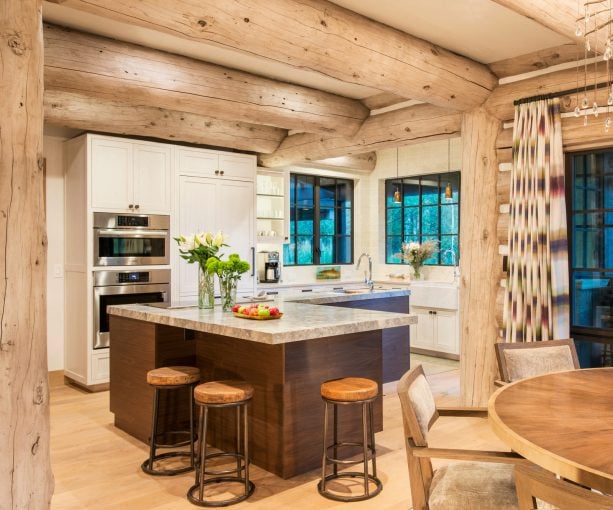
(206, 289)
(416, 271)
(228, 293)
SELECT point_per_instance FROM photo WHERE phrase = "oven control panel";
(133, 277)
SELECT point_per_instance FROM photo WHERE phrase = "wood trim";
(329, 34)
(147, 77)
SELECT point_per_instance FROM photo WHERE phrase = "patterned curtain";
(536, 300)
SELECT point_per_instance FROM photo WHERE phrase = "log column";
(26, 480)
(479, 260)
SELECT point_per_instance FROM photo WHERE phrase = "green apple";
(264, 312)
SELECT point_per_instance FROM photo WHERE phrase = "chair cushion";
(473, 486)
(522, 363)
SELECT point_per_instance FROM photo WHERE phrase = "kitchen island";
(285, 360)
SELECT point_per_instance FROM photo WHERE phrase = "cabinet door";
(422, 333)
(111, 175)
(235, 216)
(196, 162)
(196, 208)
(237, 166)
(152, 178)
(447, 331)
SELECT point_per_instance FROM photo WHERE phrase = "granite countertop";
(304, 318)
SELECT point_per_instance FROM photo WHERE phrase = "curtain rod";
(558, 94)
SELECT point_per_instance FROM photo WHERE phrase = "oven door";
(131, 247)
(122, 295)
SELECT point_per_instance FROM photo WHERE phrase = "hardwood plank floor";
(96, 466)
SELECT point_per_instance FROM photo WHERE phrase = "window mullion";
(316, 219)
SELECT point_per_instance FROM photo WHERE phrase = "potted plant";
(415, 254)
(229, 272)
(200, 248)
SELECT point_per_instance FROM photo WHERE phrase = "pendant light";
(397, 199)
(448, 188)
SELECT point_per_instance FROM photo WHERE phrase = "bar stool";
(171, 378)
(222, 394)
(350, 391)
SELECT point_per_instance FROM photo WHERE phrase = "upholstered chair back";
(520, 360)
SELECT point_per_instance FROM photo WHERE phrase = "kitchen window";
(428, 209)
(321, 221)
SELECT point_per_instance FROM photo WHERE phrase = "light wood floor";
(96, 466)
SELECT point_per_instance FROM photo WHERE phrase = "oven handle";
(131, 233)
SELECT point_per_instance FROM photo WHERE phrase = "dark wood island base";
(286, 414)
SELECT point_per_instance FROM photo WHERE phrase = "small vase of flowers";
(200, 248)
(229, 272)
(415, 254)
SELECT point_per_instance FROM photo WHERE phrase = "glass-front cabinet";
(272, 207)
(590, 206)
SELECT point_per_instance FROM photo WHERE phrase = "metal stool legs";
(242, 460)
(368, 453)
(147, 465)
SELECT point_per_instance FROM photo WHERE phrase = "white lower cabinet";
(437, 329)
(100, 366)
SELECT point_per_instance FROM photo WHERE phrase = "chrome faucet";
(454, 260)
(367, 278)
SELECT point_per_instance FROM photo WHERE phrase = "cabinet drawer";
(237, 166)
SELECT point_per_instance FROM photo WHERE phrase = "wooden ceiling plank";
(357, 162)
(87, 64)
(314, 35)
(382, 100)
(108, 115)
(537, 60)
(414, 124)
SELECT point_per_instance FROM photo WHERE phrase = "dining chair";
(518, 360)
(484, 482)
(537, 486)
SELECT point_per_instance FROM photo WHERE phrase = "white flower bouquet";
(415, 254)
(200, 247)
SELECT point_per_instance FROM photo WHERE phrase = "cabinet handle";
(272, 293)
(216, 172)
(131, 206)
(253, 261)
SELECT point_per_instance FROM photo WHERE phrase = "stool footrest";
(166, 472)
(176, 433)
(351, 474)
(235, 456)
(236, 479)
(334, 460)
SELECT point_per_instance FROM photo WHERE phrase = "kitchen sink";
(353, 291)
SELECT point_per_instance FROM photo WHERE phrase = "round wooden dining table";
(562, 422)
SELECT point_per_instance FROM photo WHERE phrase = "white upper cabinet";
(215, 164)
(130, 176)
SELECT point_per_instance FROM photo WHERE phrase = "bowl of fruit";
(258, 312)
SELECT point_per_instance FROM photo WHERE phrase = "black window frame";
(589, 333)
(317, 217)
(399, 182)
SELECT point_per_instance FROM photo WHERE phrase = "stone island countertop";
(303, 318)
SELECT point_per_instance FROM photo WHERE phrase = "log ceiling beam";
(382, 100)
(102, 113)
(357, 163)
(558, 15)
(414, 124)
(91, 65)
(500, 103)
(537, 60)
(314, 35)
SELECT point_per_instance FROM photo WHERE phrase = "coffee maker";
(270, 272)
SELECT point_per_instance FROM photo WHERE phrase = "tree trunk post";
(479, 256)
(26, 480)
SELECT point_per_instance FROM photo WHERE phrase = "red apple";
(235, 308)
(253, 312)
(274, 311)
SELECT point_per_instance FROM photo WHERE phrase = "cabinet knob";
(131, 206)
(137, 206)
(221, 172)
(216, 172)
